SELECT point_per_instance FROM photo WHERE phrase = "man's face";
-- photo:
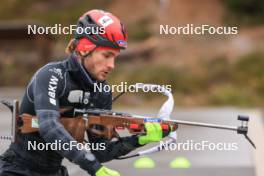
(101, 63)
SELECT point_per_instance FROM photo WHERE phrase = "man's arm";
(112, 149)
(48, 86)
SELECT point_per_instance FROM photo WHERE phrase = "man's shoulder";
(57, 68)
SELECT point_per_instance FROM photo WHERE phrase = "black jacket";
(54, 86)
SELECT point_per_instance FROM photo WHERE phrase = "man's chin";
(101, 78)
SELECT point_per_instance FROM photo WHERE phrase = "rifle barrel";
(208, 125)
(200, 124)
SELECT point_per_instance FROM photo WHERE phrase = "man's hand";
(154, 133)
(104, 171)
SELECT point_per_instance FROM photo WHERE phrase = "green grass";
(244, 12)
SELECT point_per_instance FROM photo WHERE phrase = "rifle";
(99, 122)
(104, 123)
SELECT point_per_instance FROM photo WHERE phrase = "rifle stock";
(103, 125)
(75, 126)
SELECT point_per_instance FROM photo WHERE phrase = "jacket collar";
(79, 74)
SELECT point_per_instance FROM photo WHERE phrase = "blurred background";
(213, 77)
(202, 69)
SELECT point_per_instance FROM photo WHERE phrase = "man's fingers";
(112, 172)
(158, 131)
(149, 128)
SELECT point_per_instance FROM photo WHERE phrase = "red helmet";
(114, 36)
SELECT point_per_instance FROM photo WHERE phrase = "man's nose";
(111, 63)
